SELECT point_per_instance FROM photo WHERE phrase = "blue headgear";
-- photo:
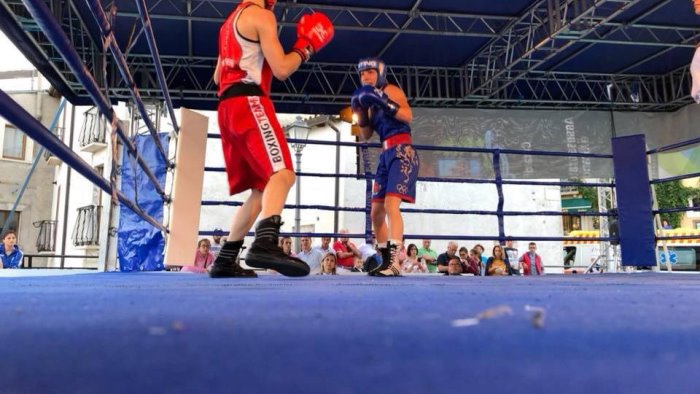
(376, 64)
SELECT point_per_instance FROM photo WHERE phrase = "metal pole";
(67, 197)
(336, 213)
(297, 213)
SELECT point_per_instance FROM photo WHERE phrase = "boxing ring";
(171, 332)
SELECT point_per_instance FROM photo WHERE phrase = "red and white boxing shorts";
(253, 142)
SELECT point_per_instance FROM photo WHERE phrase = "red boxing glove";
(314, 31)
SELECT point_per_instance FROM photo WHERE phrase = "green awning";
(573, 205)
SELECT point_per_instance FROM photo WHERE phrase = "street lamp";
(299, 131)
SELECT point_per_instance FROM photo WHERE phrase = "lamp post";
(299, 131)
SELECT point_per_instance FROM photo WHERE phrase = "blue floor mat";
(186, 333)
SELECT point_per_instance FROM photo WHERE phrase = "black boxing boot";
(386, 260)
(226, 263)
(389, 268)
(266, 253)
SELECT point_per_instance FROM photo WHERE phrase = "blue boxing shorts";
(397, 174)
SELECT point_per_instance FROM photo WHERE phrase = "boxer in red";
(255, 149)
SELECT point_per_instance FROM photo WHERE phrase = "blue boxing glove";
(369, 97)
(361, 115)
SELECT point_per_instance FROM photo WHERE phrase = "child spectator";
(9, 251)
(203, 258)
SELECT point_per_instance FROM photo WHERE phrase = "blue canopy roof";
(444, 53)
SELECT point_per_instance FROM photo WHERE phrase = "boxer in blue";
(382, 107)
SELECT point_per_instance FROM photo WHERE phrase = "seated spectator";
(328, 264)
(428, 255)
(203, 258)
(369, 258)
(411, 264)
(482, 257)
(346, 251)
(312, 257)
(454, 266)
(443, 260)
(402, 250)
(473, 264)
(9, 251)
(216, 245)
(286, 244)
(369, 248)
(497, 265)
(463, 254)
(529, 258)
(325, 246)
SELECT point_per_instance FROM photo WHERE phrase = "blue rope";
(53, 31)
(674, 146)
(672, 210)
(447, 148)
(151, 39)
(431, 236)
(370, 175)
(16, 115)
(675, 178)
(417, 210)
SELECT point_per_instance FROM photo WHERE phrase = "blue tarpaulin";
(140, 245)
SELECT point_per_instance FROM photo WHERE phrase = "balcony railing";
(87, 227)
(46, 242)
(94, 130)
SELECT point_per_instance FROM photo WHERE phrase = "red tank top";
(242, 60)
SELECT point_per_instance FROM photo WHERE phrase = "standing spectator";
(411, 263)
(497, 264)
(325, 246)
(328, 264)
(346, 251)
(203, 258)
(311, 257)
(511, 254)
(665, 225)
(286, 245)
(482, 257)
(530, 257)
(9, 251)
(428, 255)
(443, 260)
(216, 246)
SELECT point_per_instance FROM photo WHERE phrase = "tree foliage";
(674, 195)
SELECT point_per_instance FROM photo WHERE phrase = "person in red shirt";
(346, 251)
(255, 149)
(531, 259)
